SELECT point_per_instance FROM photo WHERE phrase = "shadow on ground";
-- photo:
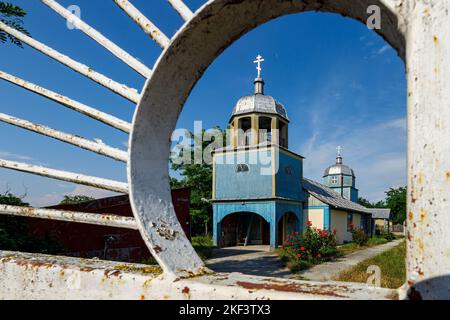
(252, 260)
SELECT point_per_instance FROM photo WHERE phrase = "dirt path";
(259, 260)
(254, 260)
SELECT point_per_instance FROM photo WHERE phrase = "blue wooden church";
(259, 193)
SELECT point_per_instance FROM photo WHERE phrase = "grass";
(391, 263)
(353, 247)
(203, 245)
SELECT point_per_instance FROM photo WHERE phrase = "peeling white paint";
(99, 38)
(95, 182)
(123, 90)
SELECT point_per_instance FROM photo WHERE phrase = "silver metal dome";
(259, 103)
(339, 168)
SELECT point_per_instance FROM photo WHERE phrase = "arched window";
(265, 129)
(282, 127)
(245, 131)
(242, 168)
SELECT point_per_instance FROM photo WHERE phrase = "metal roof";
(331, 197)
(259, 103)
(380, 213)
(338, 169)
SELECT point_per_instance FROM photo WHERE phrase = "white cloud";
(13, 156)
(54, 198)
(377, 153)
(92, 192)
(383, 49)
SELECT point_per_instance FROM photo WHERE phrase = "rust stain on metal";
(145, 270)
(392, 296)
(185, 290)
(167, 233)
(157, 249)
(87, 269)
(290, 287)
(422, 216)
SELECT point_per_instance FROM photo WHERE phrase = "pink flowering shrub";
(314, 246)
(359, 236)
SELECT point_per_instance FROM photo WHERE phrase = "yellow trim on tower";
(274, 180)
(214, 177)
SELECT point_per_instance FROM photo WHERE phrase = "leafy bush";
(203, 245)
(359, 236)
(300, 251)
(389, 236)
(16, 236)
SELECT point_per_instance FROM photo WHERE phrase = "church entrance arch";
(244, 228)
(287, 225)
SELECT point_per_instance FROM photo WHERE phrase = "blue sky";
(340, 82)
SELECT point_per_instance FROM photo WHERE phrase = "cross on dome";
(339, 155)
(258, 61)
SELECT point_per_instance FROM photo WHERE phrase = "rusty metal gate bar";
(95, 182)
(124, 91)
(99, 38)
(421, 27)
(109, 220)
(69, 103)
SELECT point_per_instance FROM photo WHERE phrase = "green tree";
(75, 199)
(12, 15)
(12, 229)
(396, 201)
(366, 203)
(199, 178)
(15, 235)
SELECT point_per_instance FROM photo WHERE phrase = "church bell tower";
(341, 178)
(257, 181)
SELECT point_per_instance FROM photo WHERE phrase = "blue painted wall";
(347, 181)
(271, 211)
(289, 177)
(266, 209)
(252, 184)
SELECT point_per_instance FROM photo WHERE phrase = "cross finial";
(339, 155)
(258, 61)
(339, 151)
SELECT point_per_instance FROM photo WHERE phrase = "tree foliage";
(12, 15)
(199, 178)
(15, 234)
(366, 203)
(75, 199)
(396, 201)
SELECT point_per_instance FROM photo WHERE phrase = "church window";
(242, 168)
(245, 131)
(349, 222)
(334, 180)
(283, 134)
(288, 170)
(265, 129)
